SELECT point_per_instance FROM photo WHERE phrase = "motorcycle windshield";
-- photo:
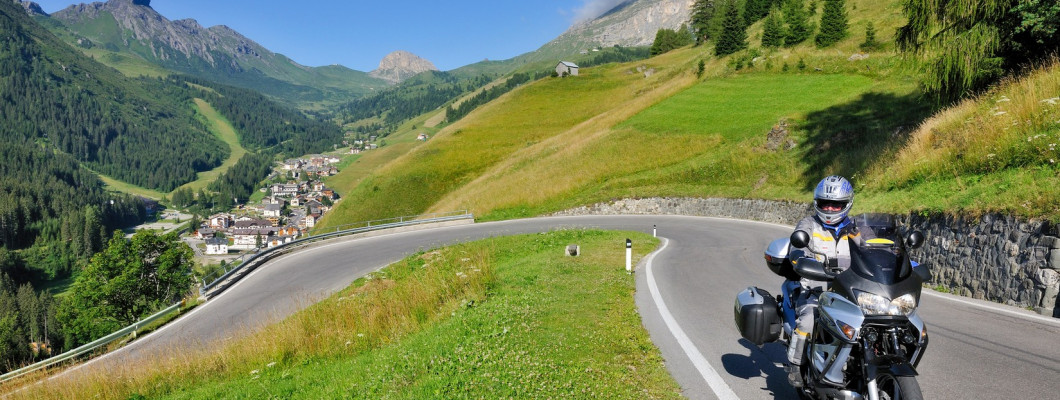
(880, 264)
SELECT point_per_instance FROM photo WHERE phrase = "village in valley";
(287, 211)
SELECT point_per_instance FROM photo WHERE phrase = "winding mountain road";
(685, 293)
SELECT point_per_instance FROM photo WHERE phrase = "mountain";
(401, 65)
(62, 113)
(632, 23)
(217, 53)
(33, 9)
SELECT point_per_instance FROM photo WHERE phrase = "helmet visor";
(831, 206)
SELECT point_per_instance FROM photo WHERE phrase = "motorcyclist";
(830, 229)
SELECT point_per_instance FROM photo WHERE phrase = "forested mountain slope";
(217, 53)
(139, 131)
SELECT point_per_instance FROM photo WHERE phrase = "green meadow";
(509, 317)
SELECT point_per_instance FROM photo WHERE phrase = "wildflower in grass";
(270, 365)
(255, 372)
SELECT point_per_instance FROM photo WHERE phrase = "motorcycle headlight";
(872, 304)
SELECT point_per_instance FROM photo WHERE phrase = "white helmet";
(833, 199)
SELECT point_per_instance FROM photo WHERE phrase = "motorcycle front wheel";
(898, 388)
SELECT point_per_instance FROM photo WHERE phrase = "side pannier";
(757, 316)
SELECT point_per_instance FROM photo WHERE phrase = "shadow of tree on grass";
(847, 138)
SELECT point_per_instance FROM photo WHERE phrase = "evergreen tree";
(772, 31)
(798, 22)
(833, 23)
(733, 36)
(668, 39)
(13, 343)
(94, 231)
(702, 16)
(870, 42)
(755, 10)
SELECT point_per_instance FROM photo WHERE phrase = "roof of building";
(569, 64)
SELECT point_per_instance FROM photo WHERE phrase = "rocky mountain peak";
(167, 40)
(401, 65)
(31, 7)
(631, 23)
(145, 3)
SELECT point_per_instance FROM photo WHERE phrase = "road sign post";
(629, 256)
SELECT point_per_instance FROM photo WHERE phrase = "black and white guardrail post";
(629, 256)
(653, 231)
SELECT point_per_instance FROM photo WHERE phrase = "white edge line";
(709, 374)
(999, 308)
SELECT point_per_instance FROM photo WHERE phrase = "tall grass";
(1016, 125)
(376, 310)
(995, 153)
(502, 318)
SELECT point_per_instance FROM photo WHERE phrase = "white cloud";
(595, 8)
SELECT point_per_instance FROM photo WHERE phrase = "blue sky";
(358, 33)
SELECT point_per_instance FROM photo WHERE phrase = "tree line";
(264, 124)
(411, 98)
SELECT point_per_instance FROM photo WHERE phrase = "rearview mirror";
(914, 240)
(800, 239)
(812, 269)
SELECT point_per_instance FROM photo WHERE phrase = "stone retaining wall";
(993, 257)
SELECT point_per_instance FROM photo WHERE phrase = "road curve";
(978, 350)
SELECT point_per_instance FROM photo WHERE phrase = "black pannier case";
(757, 316)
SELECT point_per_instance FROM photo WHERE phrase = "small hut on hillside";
(567, 68)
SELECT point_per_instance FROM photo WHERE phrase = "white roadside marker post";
(629, 256)
(653, 231)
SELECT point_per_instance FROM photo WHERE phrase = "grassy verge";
(505, 317)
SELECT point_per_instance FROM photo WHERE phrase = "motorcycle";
(868, 338)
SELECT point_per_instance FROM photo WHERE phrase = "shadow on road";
(767, 362)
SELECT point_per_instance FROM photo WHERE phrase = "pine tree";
(772, 31)
(755, 10)
(797, 19)
(833, 23)
(702, 15)
(733, 36)
(870, 42)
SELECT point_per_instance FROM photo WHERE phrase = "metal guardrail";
(103, 341)
(248, 264)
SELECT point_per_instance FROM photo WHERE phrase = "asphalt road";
(978, 350)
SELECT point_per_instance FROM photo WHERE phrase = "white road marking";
(709, 374)
(1008, 310)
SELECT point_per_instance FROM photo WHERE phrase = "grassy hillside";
(653, 128)
(220, 127)
(502, 318)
